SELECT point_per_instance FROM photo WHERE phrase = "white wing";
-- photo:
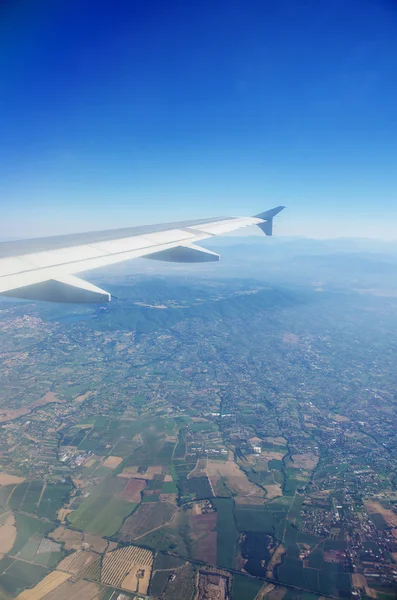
(43, 269)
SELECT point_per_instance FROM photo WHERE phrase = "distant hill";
(148, 303)
(281, 261)
(127, 314)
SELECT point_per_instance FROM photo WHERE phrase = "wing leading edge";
(44, 269)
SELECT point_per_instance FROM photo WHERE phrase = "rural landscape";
(216, 439)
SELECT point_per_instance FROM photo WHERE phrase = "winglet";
(267, 217)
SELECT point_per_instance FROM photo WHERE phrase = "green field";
(102, 472)
(275, 464)
(245, 588)
(150, 498)
(123, 448)
(203, 426)
(5, 562)
(27, 527)
(32, 497)
(227, 532)
(5, 492)
(49, 559)
(166, 562)
(29, 550)
(159, 582)
(155, 451)
(53, 498)
(102, 513)
(166, 539)
(169, 487)
(104, 436)
(18, 495)
(256, 518)
(21, 575)
(26, 496)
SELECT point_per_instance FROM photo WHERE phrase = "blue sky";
(140, 111)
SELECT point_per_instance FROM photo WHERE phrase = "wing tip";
(270, 214)
(267, 219)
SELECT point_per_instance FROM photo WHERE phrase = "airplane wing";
(44, 268)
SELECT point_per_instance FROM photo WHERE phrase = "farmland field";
(133, 489)
(53, 498)
(76, 561)
(203, 537)
(25, 496)
(62, 590)
(21, 575)
(26, 528)
(32, 496)
(5, 493)
(71, 539)
(29, 550)
(146, 517)
(254, 518)
(159, 582)
(44, 587)
(18, 495)
(166, 562)
(102, 513)
(8, 532)
(182, 588)
(227, 474)
(120, 568)
(194, 488)
(103, 517)
(245, 588)
(227, 532)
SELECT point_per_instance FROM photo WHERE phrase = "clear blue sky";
(139, 111)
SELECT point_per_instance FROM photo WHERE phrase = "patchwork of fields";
(141, 507)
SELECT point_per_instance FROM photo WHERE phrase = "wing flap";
(185, 254)
(68, 289)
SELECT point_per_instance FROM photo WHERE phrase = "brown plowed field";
(132, 472)
(76, 561)
(112, 462)
(81, 590)
(148, 516)
(133, 489)
(205, 548)
(202, 524)
(304, 461)
(45, 588)
(374, 506)
(71, 539)
(97, 543)
(202, 531)
(6, 479)
(235, 479)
